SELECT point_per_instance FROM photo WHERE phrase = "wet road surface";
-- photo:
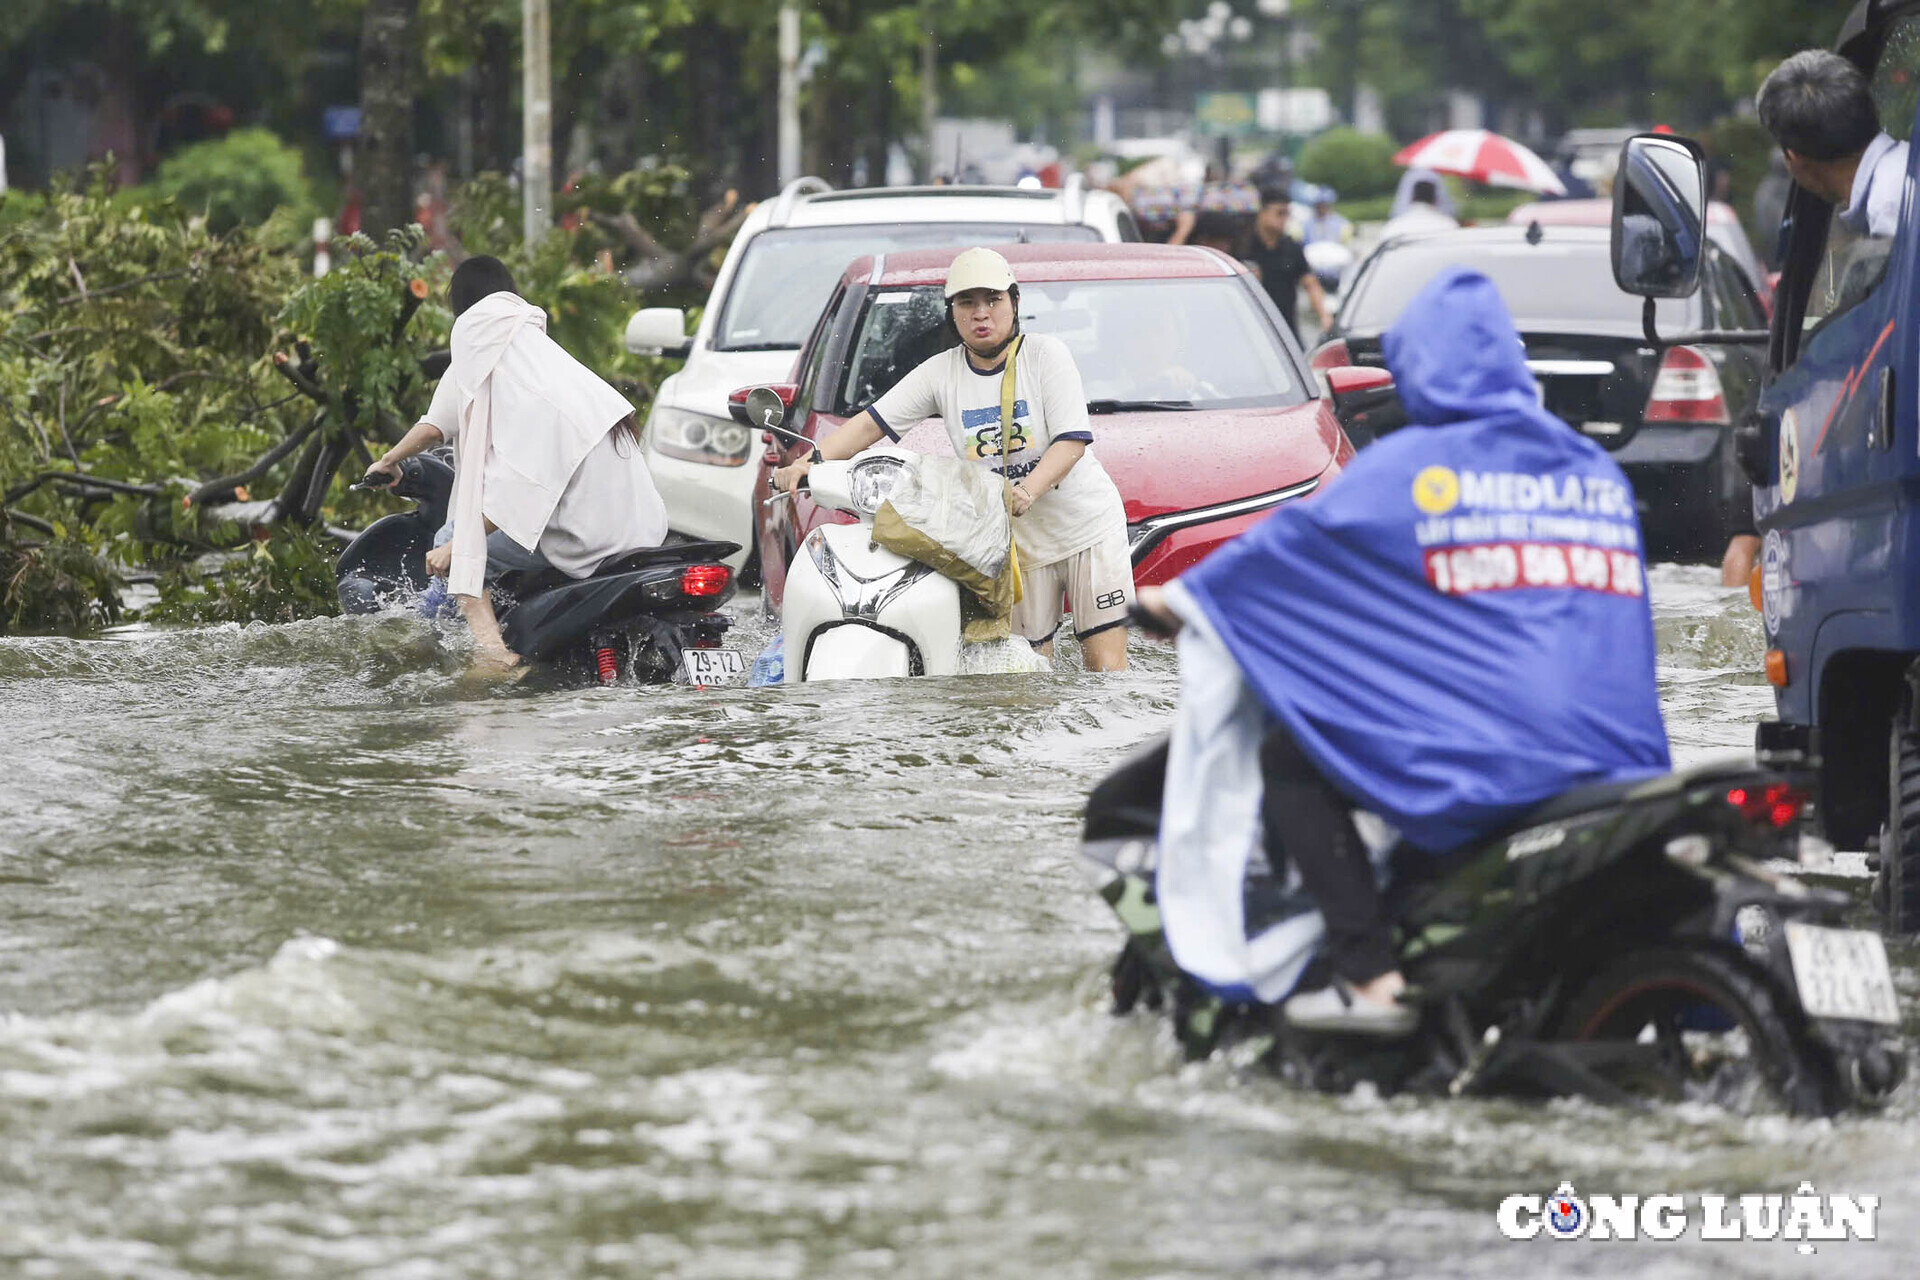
(318, 960)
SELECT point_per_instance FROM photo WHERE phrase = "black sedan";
(1667, 417)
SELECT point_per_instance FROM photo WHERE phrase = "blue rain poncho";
(1457, 628)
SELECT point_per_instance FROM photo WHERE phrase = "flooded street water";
(318, 961)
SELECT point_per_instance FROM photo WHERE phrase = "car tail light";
(1776, 804)
(705, 579)
(1328, 355)
(1687, 389)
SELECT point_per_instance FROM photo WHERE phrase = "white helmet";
(978, 269)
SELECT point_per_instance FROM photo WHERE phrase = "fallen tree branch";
(629, 232)
(305, 385)
(416, 294)
(261, 465)
(101, 482)
(32, 522)
(716, 228)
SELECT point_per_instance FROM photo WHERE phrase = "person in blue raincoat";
(1456, 630)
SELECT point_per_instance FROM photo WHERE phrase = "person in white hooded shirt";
(548, 470)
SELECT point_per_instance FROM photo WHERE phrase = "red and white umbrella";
(1484, 157)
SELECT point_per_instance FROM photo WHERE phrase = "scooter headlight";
(873, 482)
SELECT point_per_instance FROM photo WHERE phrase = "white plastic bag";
(959, 506)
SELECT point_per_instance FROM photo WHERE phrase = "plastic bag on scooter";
(951, 516)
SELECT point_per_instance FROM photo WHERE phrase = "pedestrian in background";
(1326, 224)
(1281, 262)
(1423, 214)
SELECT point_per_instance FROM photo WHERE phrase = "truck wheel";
(1897, 890)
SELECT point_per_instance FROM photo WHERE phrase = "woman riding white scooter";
(1070, 528)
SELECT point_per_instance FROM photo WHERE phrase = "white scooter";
(853, 609)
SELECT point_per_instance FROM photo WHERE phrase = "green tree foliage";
(55, 585)
(154, 372)
(1357, 165)
(283, 579)
(1684, 62)
(568, 273)
(367, 324)
(131, 340)
(237, 181)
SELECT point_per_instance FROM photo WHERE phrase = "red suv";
(1203, 410)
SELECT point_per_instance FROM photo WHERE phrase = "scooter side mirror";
(765, 408)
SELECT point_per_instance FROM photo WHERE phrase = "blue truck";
(1833, 450)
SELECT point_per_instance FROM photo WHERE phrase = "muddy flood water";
(317, 960)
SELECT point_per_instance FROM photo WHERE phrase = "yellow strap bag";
(1006, 434)
(941, 490)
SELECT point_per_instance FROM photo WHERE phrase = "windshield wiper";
(761, 346)
(1137, 406)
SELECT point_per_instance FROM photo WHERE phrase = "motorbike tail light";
(1687, 389)
(1777, 804)
(1328, 355)
(704, 579)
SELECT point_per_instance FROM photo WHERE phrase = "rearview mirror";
(1659, 216)
(1365, 403)
(765, 408)
(658, 331)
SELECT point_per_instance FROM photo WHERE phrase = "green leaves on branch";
(284, 579)
(353, 318)
(57, 586)
(131, 339)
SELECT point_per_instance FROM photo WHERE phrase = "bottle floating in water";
(771, 666)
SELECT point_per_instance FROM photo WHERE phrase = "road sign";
(1230, 115)
(340, 124)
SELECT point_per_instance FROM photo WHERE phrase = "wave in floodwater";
(321, 959)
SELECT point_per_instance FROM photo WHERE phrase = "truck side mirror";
(1750, 452)
(1659, 216)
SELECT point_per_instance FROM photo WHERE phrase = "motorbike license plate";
(1842, 973)
(712, 666)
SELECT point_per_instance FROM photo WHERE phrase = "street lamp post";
(536, 91)
(789, 139)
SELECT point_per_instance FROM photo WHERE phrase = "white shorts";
(1096, 582)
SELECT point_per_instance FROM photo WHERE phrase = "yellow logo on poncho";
(1436, 490)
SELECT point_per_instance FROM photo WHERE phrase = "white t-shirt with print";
(1049, 404)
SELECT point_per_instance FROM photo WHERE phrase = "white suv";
(775, 281)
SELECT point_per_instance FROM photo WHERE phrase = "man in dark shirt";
(1280, 262)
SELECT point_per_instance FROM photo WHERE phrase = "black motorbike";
(649, 616)
(1628, 943)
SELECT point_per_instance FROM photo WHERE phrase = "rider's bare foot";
(496, 664)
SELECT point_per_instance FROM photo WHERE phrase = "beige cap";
(979, 269)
